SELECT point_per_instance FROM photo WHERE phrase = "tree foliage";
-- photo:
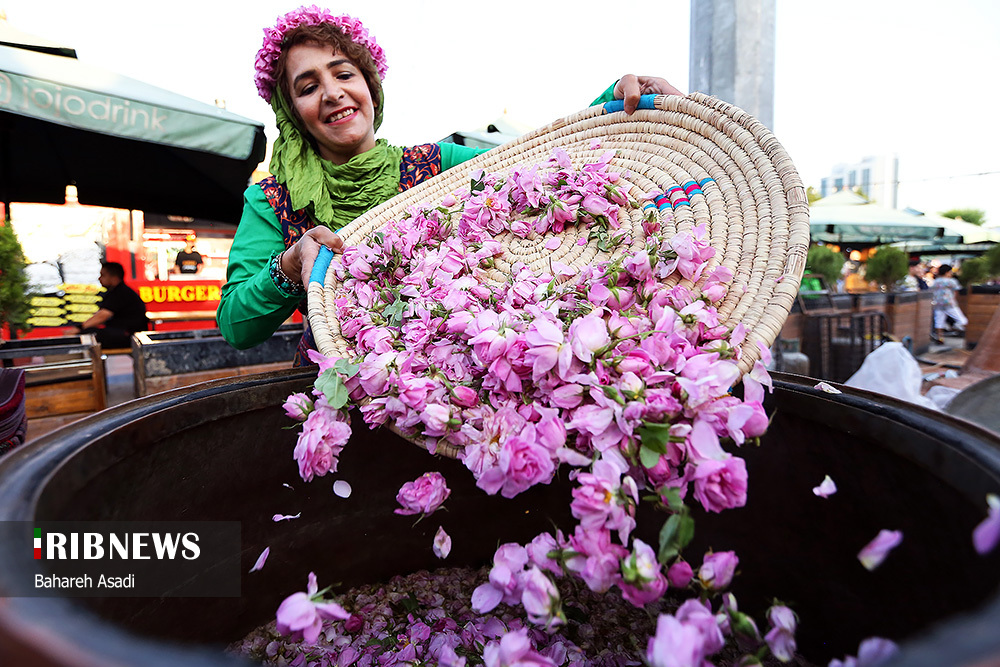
(825, 262)
(980, 269)
(887, 266)
(812, 194)
(14, 297)
(992, 259)
(974, 215)
(972, 271)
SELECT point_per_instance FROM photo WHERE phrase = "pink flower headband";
(267, 57)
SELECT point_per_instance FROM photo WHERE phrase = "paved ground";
(943, 357)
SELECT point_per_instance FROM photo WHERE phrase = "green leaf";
(346, 368)
(668, 535)
(648, 457)
(655, 436)
(332, 386)
(686, 531)
(672, 496)
(394, 312)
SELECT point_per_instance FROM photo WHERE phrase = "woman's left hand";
(631, 86)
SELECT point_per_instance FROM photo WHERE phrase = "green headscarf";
(332, 194)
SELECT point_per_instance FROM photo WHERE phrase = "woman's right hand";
(298, 260)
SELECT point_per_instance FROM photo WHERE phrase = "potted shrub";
(825, 262)
(14, 297)
(979, 300)
(887, 266)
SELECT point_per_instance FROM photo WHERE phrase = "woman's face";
(332, 99)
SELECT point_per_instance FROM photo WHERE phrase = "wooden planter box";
(909, 315)
(64, 379)
(171, 359)
(869, 302)
(978, 303)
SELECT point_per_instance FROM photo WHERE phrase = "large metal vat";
(218, 451)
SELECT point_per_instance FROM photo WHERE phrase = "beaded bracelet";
(285, 285)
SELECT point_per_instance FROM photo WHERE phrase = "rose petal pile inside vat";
(426, 618)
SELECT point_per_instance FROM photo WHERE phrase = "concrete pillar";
(732, 53)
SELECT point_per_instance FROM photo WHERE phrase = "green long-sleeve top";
(252, 307)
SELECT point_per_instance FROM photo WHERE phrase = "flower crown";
(267, 57)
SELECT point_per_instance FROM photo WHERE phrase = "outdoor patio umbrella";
(122, 142)
(845, 217)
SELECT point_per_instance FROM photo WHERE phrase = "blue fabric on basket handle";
(645, 102)
(321, 265)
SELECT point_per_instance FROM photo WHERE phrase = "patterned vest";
(418, 164)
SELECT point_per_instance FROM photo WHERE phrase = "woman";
(322, 75)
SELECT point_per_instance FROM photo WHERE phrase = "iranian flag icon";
(38, 543)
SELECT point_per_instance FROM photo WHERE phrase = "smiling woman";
(332, 99)
(322, 75)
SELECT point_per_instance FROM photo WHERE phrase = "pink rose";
(298, 406)
(696, 613)
(423, 495)
(720, 485)
(304, 613)
(641, 595)
(781, 638)
(756, 425)
(680, 574)
(675, 644)
(442, 543)
(374, 372)
(506, 579)
(717, 570)
(539, 550)
(522, 463)
(540, 598)
(465, 397)
(642, 578)
(324, 434)
(600, 501)
(514, 648)
(596, 559)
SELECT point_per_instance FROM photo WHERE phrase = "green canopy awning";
(848, 218)
(122, 142)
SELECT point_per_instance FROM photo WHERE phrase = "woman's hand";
(298, 260)
(630, 87)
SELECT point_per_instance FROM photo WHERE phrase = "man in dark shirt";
(120, 313)
(188, 260)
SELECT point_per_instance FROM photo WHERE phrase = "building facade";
(876, 177)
